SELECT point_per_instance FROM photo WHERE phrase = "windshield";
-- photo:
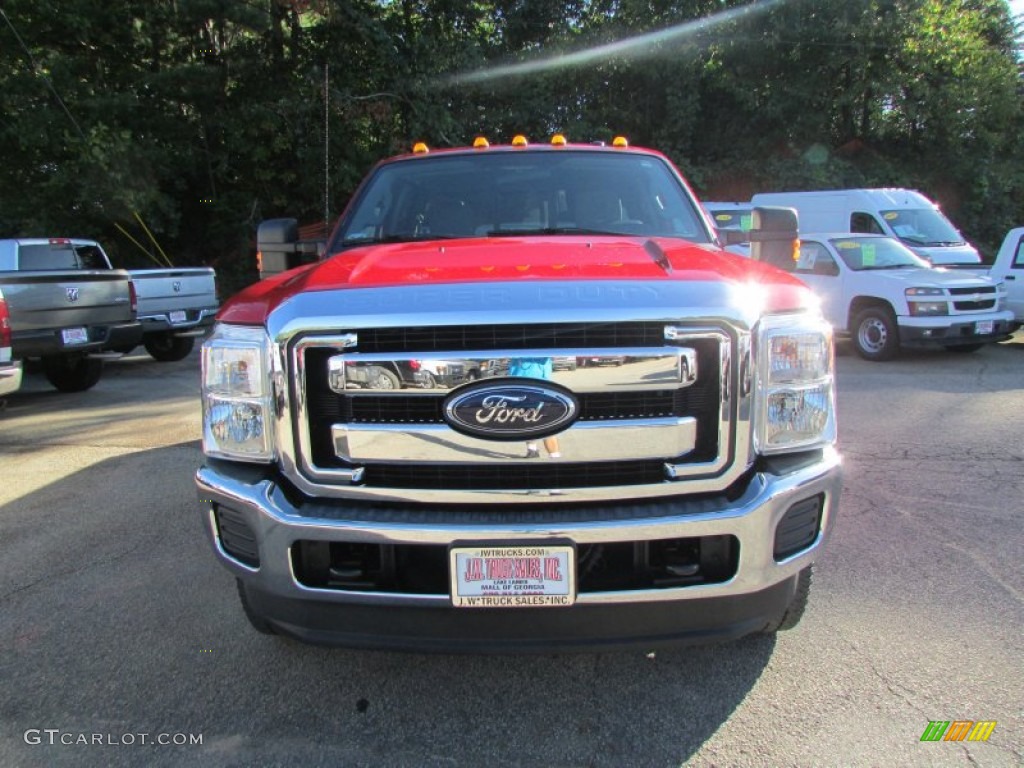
(922, 226)
(514, 193)
(865, 253)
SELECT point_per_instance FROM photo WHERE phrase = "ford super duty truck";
(680, 495)
(65, 306)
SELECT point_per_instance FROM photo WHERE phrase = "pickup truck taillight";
(133, 297)
(5, 324)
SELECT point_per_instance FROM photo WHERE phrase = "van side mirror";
(279, 248)
(773, 234)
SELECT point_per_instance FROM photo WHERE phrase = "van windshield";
(496, 194)
(922, 226)
(865, 253)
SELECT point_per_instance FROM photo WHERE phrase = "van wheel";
(167, 348)
(875, 336)
(72, 374)
(257, 620)
(795, 610)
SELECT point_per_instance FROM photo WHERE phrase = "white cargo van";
(904, 214)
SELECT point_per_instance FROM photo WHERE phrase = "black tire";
(795, 610)
(384, 379)
(429, 382)
(875, 335)
(964, 348)
(72, 374)
(258, 622)
(167, 348)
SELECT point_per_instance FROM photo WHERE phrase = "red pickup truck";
(682, 494)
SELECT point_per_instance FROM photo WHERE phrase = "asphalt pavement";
(122, 642)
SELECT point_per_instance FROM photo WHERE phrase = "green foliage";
(199, 118)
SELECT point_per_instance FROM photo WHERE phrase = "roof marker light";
(620, 141)
(420, 148)
(519, 140)
(558, 140)
(481, 143)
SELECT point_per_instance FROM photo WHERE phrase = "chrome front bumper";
(752, 518)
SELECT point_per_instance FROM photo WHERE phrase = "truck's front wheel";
(72, 374)
(167, 348)
(795, 610)
(875, 335)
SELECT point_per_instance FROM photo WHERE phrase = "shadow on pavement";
(116, 619)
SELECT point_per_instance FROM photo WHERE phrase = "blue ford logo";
(510, 411)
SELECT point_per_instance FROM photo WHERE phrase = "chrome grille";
(621, 374)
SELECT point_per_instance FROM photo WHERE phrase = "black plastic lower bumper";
(579, 628)
(49, 342)
(955, 334)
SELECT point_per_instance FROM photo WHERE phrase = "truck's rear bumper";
(196, 323)
(10, 378)
(267, 524)
(49, 342)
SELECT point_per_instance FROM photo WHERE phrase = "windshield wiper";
(556, 231)
(354, 241)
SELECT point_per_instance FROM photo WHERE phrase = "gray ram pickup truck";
(176, 306)
(65, 306)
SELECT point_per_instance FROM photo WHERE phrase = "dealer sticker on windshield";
(513, 577)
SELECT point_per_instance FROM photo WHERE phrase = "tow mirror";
(773, 234)
(279, 248)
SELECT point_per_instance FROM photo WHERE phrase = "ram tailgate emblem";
(72, 294)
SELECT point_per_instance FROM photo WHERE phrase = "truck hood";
(517, 259)
(930, 278)
(946, 254)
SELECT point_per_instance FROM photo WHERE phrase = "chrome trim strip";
(584, 441)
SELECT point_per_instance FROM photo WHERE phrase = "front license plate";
(513, 577)
(74, 336)
(983, 327)
(178, 316)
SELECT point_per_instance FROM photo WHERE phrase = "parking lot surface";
(122, 641)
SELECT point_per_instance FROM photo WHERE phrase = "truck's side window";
(865, 222)
(815, 260)
(1018, 258)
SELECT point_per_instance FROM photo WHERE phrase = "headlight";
(796, 394)
(920, 308)
(237, 395)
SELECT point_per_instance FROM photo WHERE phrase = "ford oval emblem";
(511, 410)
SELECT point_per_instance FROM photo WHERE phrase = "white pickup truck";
(879, 293)
(1008, 269)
